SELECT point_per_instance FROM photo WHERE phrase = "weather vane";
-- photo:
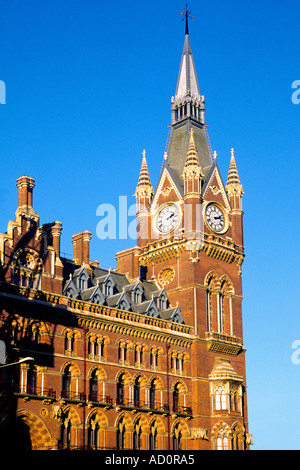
(186, 15)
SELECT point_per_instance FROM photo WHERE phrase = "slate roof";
(150, 300)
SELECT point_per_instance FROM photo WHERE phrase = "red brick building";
(148, 356)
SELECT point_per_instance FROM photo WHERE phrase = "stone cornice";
(89, 315)
(214, 246)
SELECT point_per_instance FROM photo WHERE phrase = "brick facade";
(151, 355)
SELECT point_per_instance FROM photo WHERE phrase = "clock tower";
(190, 243)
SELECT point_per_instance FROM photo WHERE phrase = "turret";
(143, 194)
(235, 193)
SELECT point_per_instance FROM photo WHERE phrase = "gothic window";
(121, 435)
(137, 296)
(177, 438)
(137, 436)
(70, 293)
(93, 385)
(209, 305)
(176, 398)
(97, 299)
(221, 313)
(94, 435)
(151, 312)
(91, 347)
(31, 384)
(121, 390)
(138, 355)
(82, 282)
(222, 442)
(108, 288)
(225, 307)
(65, 434)
(162, 301)
(154, 359)
(153, 437)
(152, 395)
(137, 393)
(69, 340)
(100, 349)
(66, 383)
(238, 437)
(122, 305)
(220, 400)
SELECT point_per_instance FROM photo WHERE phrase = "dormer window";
(137, 296)
(162, 301)
(108, 288)
(70, 293)
(151, 312)
(122, 305)
(97, 299)
(83, 281)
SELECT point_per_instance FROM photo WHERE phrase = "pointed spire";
(192, 172)
(187, 83)
(233, 185)
(192, 161)
(233, 176)
(144, 187)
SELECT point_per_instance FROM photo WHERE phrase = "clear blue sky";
(88, 88)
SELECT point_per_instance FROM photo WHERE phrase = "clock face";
(215, 218)
(167, 218)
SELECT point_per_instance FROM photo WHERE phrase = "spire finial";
(186, 15)
(232, 153)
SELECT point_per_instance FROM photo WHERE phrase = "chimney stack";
(25, 185)
(56, 230)
(81, 243)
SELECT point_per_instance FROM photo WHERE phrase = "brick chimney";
(56, 230)
(25, 185)
(81, 244)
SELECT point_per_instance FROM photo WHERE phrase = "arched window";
(66, 383)
(176, 398)
(222, 442)
(137, 296)
(94, 433)
(93, 436)
(122, 352)
(65, 434)
(137, 393)
(137, 436)
(69, 342)
(138, 355)
(152, 395)
(220, 400)
(209, 305)
(154, 359)
(32, 380)
(120, 390)
(225, 307)
(108, 288)
(93, 384)
(83, 282)
(122, 305)
(121, 435)
(151, 312)
(153, 437)
(177, 438)
(96, 299)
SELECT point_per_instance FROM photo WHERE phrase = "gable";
(214, 189)
(167, 190)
